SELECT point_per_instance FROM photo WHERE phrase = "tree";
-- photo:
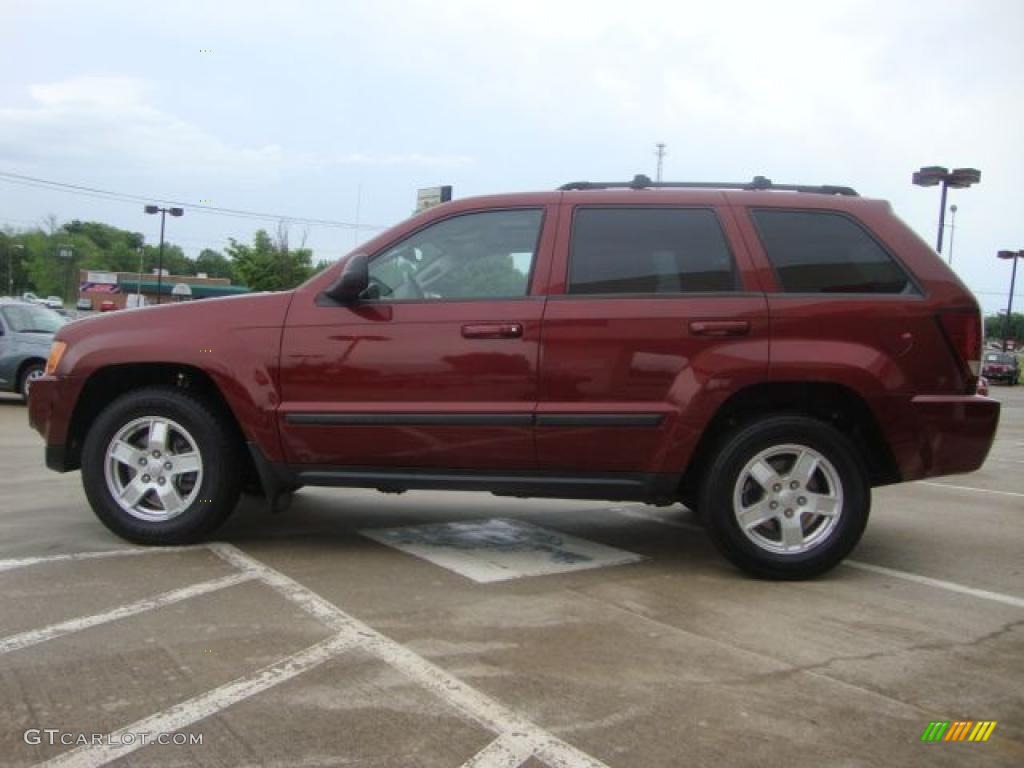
(994, 327)
(213, 264)
(269, 265)
(175, 262)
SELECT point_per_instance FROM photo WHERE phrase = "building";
(119, 286)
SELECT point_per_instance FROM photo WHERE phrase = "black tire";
(25, 380)
(836, 541)
(218, 490)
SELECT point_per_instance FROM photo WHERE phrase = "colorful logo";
(959, 730)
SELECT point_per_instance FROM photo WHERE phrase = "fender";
(236, 341)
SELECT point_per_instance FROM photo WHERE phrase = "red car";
(764, 354)
(107, 306)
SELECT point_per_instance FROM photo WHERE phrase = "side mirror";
(353, 280)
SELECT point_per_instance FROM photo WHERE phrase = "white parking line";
(971, 488)
(507, 751)
(36, 636)
(951, 586)
(188, 712)
(20, 562)
(640, 514)
(474, 704)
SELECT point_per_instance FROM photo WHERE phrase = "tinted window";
(473, 256)
(649, 250)
(817, 252)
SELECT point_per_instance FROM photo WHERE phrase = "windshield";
(997, 357)
(32, 319)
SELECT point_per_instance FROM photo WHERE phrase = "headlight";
(56, 353)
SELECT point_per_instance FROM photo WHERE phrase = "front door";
(437, 365)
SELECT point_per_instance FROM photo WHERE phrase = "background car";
(1001, 366)
(107, 306)
(54, 302)
(31, 297)
(26, 334)
(84, 304)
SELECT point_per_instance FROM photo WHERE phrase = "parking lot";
(331, 635)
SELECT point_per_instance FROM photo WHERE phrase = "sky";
(341, 110)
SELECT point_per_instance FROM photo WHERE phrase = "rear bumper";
(49, 414)
(951, 434)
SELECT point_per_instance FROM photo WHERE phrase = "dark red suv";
(764, 354)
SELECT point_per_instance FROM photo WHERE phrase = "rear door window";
(825, 252)
(649, 251)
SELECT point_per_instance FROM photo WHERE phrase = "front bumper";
(49, 413)
(953, 434)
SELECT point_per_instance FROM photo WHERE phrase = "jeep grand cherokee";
(764, 354)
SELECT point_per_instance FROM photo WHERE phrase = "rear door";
(654, 322)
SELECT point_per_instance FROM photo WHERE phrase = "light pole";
(66, 254)
(1013, 279)
(959, 178)
(10, 266)
(138, 285)
(952, 232)
(160, 263)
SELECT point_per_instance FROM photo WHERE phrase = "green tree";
(267, 265)
(994, 327)
(13, 277)
(214, 264)
(174, 261)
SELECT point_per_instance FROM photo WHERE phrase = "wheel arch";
(106, 384)
(835, 404)
(23, 366)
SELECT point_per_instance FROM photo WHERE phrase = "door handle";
(719, 327)
(492, 331)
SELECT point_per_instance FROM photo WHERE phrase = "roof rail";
(641, 181)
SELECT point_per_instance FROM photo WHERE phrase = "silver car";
(26, 333)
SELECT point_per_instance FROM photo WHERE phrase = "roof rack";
(641, 181)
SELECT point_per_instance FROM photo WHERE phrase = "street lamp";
(1013, 279)
(959, 178)
(160, 263)
(66, 254)
(10, 266)
(952, 232)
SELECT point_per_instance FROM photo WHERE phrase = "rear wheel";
(160, 466)
(786, 497)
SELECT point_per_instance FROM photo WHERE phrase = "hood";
(198, 320)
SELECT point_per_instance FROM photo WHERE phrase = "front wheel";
(159, 466)
(786, 497)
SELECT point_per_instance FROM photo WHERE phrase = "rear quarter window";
(826, 252)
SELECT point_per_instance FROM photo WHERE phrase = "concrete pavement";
(297, 640)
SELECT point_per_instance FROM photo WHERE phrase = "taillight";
(963, 330)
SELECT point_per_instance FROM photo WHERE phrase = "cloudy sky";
(317, 109)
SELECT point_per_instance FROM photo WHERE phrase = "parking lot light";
(10, 265)
(1013, 255)
(958, 178)
(160, 261)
